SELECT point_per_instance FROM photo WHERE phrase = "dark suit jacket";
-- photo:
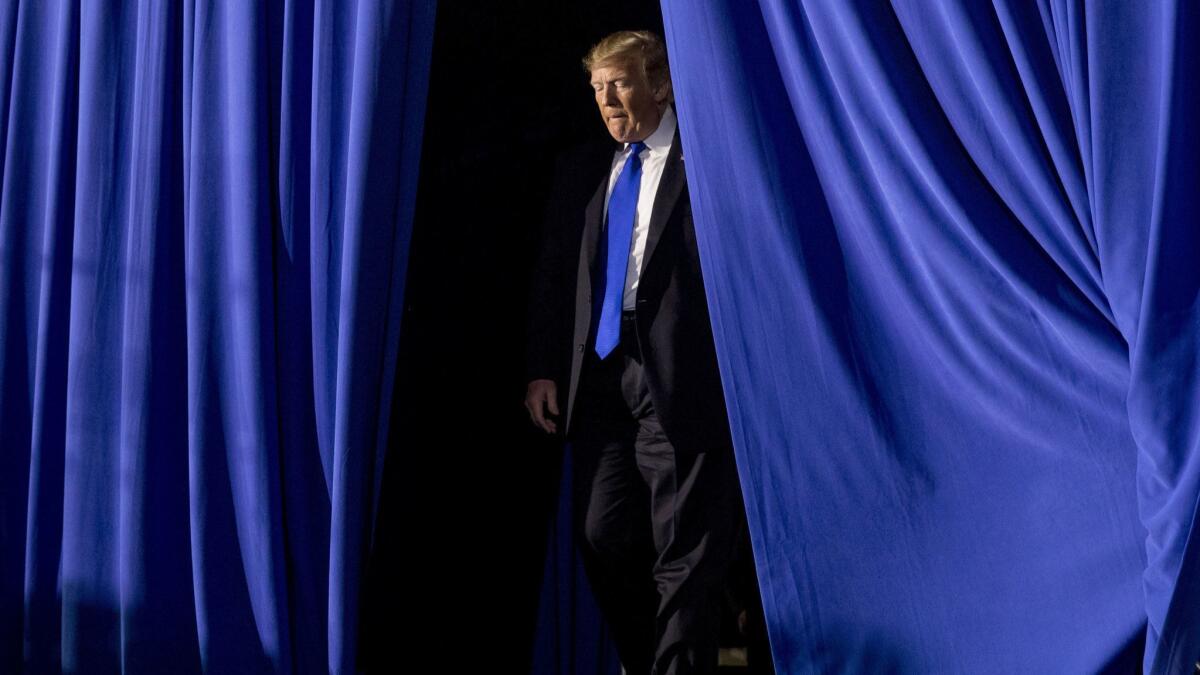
(672, 312)
(551, 317)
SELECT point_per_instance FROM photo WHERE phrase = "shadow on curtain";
(951, 255)
(204, 225)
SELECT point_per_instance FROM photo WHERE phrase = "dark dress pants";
(659, 523)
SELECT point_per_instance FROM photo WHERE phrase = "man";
(655, 484)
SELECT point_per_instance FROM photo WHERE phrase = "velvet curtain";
(204, 225)
(951, 250)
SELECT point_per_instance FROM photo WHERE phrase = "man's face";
(630, 107)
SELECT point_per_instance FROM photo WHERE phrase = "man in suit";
(657, 498)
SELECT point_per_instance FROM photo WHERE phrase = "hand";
(542, 394)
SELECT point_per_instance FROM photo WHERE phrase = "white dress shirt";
(654, 158)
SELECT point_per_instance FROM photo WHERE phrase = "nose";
(609, 96)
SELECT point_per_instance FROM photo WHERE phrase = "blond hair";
(639, 48)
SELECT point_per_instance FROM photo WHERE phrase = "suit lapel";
(670, 186)
(593, 225)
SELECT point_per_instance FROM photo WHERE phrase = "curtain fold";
(204, 227)
(950, 255)
(571, 638)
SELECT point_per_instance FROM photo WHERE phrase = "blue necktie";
(622, 210)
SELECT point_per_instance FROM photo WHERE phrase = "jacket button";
(579, 347)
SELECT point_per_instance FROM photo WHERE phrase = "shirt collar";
(663, 136)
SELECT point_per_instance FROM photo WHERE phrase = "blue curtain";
(571, 637)
(952, 251)
(204, 226)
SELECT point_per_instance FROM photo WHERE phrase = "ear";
(662, 95)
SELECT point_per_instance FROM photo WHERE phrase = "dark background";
(469, 483)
